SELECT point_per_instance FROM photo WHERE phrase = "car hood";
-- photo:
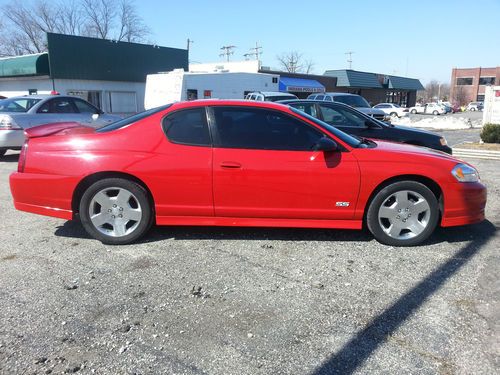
(413, 130)
(403, 148)
(59, 128)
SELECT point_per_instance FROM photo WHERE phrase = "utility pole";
(349, 60)
(189, 42)
(227, 51)
(256, 52)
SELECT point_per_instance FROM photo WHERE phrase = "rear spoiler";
(59, 128)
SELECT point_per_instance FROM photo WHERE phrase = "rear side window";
(188, 127)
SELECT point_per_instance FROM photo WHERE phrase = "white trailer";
(491, 110)
(178, 85)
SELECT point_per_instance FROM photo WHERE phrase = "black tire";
(393, 114)
(414, 111)
(126, 219)
(425, 221)
(2, 152)
(473, 109)
(435, 113)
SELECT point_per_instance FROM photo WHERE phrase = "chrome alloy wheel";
(404, 214)
(115, 211)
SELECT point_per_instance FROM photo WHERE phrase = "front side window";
(342, 117)
(58, 105)
(187, 127)
(259, 128)
(309, 108)
(355, 101)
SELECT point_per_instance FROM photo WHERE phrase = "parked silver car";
(22, 112)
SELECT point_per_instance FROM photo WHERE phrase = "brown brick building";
(467, 85)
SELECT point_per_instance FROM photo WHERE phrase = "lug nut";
(120, 216)
(397, 217)
(404, 220)
(114, 205)
(109, 210)
(121, 208)
(112, 216)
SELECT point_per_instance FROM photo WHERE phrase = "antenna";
(256, 52)
(227, 51)
(189, 42)
(349, 60)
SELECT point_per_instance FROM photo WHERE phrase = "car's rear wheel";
(473, 109)
(435, 113)
(414, 111)
(116, 211)
(394, 114)
(404, 213)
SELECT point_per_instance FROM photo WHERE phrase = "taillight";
(8, 123)
(22, 157)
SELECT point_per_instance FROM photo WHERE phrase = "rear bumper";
(43, 194)
(11, 139)
(464, 203)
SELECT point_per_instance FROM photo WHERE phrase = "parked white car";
(475, 106)
(428, 109)
(393, 110)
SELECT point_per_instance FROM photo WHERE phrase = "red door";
(264, 168)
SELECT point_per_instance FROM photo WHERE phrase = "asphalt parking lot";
(248, 301)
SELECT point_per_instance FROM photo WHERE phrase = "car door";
(264, 166)
(90, 115)
(57, 109)
(349, 121)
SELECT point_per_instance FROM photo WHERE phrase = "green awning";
(28, 65)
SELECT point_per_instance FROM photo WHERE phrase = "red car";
(240, 163)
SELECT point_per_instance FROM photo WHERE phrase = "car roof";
(270, 93)
(41, 96)
(228, 102)
(336, 94)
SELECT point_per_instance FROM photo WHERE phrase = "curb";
(477, 154)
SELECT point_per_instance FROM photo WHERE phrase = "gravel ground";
(247, 301)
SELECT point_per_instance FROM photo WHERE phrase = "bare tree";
(292, 62)
(132, 28)
(24, 26)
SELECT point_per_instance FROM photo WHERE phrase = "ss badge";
(342, 204)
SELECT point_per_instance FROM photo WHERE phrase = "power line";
(227, 51)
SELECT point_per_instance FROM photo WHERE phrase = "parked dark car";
(354, 122)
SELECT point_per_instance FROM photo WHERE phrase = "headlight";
(465, 173)
(443, 142)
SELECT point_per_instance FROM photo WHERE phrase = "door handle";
(230, 165)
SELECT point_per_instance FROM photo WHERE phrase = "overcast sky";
(420, 39)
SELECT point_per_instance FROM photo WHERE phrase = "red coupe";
(240, 163)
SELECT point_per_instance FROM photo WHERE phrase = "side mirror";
(325, 144)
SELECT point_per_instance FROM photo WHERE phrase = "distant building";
(377, 87)
(109, 74)
(468, 85)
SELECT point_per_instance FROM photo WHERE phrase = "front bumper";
(11, 139)
(464, 203)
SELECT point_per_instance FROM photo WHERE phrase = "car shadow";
(10, 158)
(366, 341)
(74, 229)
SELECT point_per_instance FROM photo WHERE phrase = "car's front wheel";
(404, 213)
(435, 113)
(414, 111)
(116, 211)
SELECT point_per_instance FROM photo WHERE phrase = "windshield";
(130, 120)
(351, 141)
(355, 101)
(17, 104)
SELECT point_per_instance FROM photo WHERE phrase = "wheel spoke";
(103, 200)
(402, 198)
(388, 212)
(416, 227)
(99, 219)
(394, 230)
(123, 198)
(420, 206)
(119, 227)
(132, 214)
